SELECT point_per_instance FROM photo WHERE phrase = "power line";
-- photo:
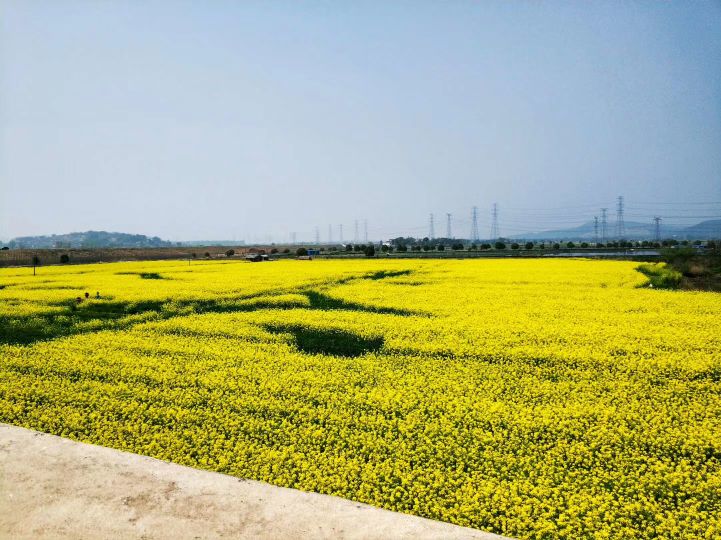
(620, 225)
(657, 228)
(474, 228)
(595, 229)
(495, 232)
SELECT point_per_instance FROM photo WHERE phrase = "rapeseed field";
(533, 398)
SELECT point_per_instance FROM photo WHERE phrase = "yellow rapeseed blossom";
(534, 398)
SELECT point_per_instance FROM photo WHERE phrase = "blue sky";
(252, 120)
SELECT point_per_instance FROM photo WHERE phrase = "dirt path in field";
(56, 488)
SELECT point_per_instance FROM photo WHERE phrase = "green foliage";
(660, 276)
(301, 252)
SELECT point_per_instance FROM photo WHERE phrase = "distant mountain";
(634, 231)
(705, 229)
(89, 239)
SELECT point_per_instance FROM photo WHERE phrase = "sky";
(256, 120)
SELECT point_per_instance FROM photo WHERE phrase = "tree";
(500, 245)
(286, 250)
(485, 246)
(370, 251)
(301, 252)
(36, 262)
(195, 255)
(206, 255)
(556, 246)
(529, 245)
(584, 244)
(426, 247)
(384, 248)
(230, 253)
(457, 246)
(514, 245)
(64, 258)
(274, 251)
(570, 245)
(349, 247)
(441, 247)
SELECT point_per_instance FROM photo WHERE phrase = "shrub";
(660, 276)
(514, 245)
(206, 255)
(570, 245)
(441, 247)
(500, 245)
(64, 258)
(301, 252)
(230, 253)
(556, 246)
(529, 245)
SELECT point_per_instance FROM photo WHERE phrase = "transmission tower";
(474, 224)
(340, 233)
(317, 235)
(431, 229)
(355, 232)
(620, 226)
(292, 238)
(330, 234)
(604, 224)
(495, 233)
(365, 231)
(657, 228)
(448, 226)
(595, 229)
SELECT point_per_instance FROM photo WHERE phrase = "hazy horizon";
(250, 121)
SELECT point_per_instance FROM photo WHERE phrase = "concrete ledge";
(52, 487)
